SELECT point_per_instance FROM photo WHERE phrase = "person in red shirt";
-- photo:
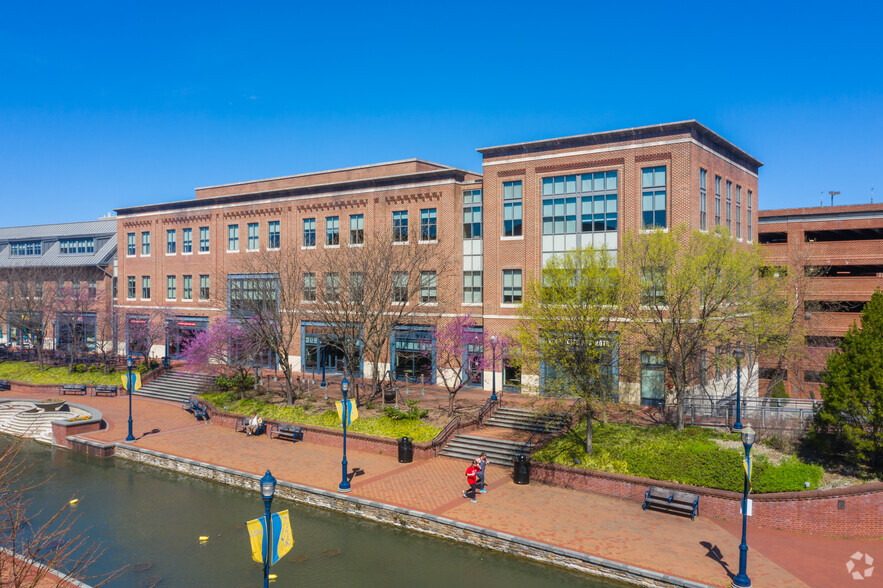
(472, 478)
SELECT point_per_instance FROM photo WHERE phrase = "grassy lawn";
(20, 371)
(309, 414)
(691, 456)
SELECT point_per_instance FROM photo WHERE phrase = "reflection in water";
(151, 520)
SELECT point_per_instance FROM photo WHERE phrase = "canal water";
(142, 515)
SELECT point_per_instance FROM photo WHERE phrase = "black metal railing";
(450, 429)
(488, 407)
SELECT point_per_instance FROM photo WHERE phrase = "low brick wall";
(854, 511)
(334, 437)
(62, 430)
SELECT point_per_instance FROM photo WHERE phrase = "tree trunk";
(680, 412)
(589, 449)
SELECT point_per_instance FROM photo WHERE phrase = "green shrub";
(413, 412)
(80, 368)
(93, 369)
(779, 394)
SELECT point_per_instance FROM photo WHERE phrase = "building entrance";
(180, 331)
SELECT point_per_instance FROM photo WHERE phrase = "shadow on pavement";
(715, 554)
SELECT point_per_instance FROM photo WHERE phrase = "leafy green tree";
(852, 391)
(567, 330)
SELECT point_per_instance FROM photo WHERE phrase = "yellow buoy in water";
(74, 501)
(203, 538)
(272, 577)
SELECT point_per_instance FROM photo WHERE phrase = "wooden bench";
(4, 385)
(673, 500)
(78, 389)
(103, 390)
(287, 432)
(195, 408)
(242, 423)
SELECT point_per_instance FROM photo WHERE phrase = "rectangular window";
(130, 287)
(512, 209)
(653, 197)
(703, 367)
(130, 244)
(273, 239)
(233, 238)
(428, 287)
(187, 287)
(93, 288)
(738, 211)
(203, 239)
(400, 286)
(203, 287)
(332, 287)
(472, 287)
(428, 226)
(717, 201)
(357, 286)
(400, 226)
(652, 379)
(145, 287)
(171, 241)
(145, 243)
(74, 246)
(309, 287)
(653, 293)
(729, 206)
(187, 241)
(511, 286)
(472, 214)
(34, 247)
(357, 229)
(703, 179)
(254, 237)
(309, 232)
(750, 218)
(171, 287)
(332, 230)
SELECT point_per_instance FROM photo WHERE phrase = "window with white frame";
(171, 241)
(232, 237)
(717, 201)
(145, 243)
(729, 210)
(75, 246)
(472, 292)
(512, 209)
(332, 230)
(703, 180)
(653, 195)
(428, 225)
(187, 287)
(511, 286)
(309, 290)
(400, 226)
(204, 287)
(254, 237)
(203, 239)
(472, 214)
(187, 240)
(332, 286)
(130, 287)
(738, 211)
(273, 232)
(171, 287)
(357, 229)
(428, 287)
(145, 287)
(750, 218)
(130, 244)
(400, 286)
(309, 239)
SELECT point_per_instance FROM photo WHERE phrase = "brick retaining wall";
(854, 511)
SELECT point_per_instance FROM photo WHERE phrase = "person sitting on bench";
(254, 425)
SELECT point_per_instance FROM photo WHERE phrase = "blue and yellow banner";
(747, 465)
(352, 411)
(282, 538)
(134, 383)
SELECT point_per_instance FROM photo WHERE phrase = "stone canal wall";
(413, 521)
(854, 511)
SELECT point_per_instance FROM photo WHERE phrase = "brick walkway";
(598, 525)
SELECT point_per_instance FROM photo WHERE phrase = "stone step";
(175, 386)
(499, 451)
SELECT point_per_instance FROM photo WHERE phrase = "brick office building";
(535, 199)
(841, 248)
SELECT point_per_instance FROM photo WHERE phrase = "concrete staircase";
(499, 451)
(176, 386)
(24, 420)
(526, 420)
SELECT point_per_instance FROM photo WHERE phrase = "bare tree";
(362, 292)
(29, 304)
(76, 301)
(459, 343)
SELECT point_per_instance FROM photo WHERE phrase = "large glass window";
(653, 198)
(130, 287)
(254, 237)
(472, 214)
(512, 213)
(653, 293)
(703, 179)
(750, 218)
(145, 243)
(187, 287)
(171, 287)
(145, 287)
(84, 245)
(203, 239)
(233, 238)
(652, 379)
(273, 239)
(187, 241)
(309, 292)
(729, 206)
(204, 287)
(738, 211)
(251, 294)
(332, 230)
(36, 247)
(309, 232)
(171, 241)
(428, 225)
(332, 287)
(428, 287)
(511, 286)
(472, 287)
(717, 201)
(357, 286)
(130, 243)
(400, 286)
(357, 229)
(400, 226)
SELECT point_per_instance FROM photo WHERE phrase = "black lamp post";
(739, 355)
(493, 368)
(322, 360)
(268, 490)
(742, 580)
(131, 386)
(344, 481)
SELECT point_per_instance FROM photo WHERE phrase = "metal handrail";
(537, 431)
(445, 434)
(487, 408)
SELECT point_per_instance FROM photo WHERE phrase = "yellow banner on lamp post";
(136, 377)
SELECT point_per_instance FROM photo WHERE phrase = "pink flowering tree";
(458, 345)
(226, 344)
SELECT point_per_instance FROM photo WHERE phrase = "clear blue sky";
(105, 105)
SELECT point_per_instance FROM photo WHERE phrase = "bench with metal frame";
(672, 500)
(103, 390)
(288, 432)
(242, 423)
(78, 389)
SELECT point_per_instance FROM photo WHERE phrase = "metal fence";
(784, 413)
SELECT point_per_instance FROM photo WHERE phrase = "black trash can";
(406, 450)
(522, 469)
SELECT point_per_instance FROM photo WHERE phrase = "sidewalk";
(592, 524)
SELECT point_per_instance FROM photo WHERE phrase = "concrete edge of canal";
(411, 520)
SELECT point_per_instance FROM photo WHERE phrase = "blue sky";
(105, 105)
